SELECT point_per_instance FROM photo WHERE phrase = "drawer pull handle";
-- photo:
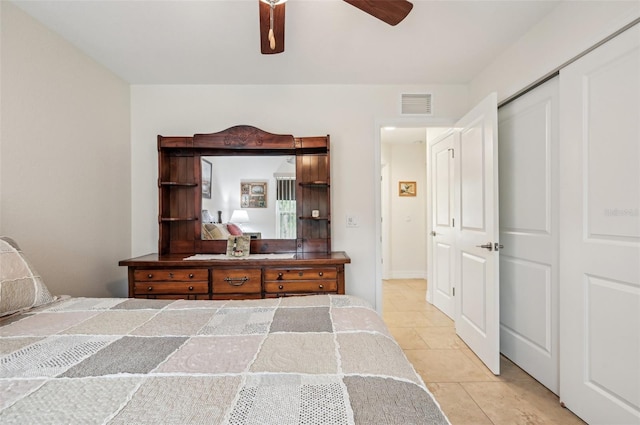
(300, 274)
(191, 288)
(149, 275)
(321, 286)
(190, 275)
(150, 288)
(320, 274)
(236, 281)
(280, 276)
(171, 275)
(280, 287)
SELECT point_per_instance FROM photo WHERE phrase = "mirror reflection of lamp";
(239, 217)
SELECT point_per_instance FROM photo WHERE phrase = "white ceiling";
(327, 41)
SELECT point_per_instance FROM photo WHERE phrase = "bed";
(219, 231)
(320, 359)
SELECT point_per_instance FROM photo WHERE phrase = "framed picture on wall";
(253, 195)
(206, 179)
(407, 188)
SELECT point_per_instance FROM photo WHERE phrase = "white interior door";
(464, 190)
(443, 234)
(600, 233)
(528, 149)
(477, 294)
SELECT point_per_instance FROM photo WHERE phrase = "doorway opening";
(403, 183)
(404, 202)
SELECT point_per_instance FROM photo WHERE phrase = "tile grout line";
(476, 403)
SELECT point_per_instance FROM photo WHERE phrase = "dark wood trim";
(243, 137)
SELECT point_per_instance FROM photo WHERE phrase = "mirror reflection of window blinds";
(285, 189)
(286, 207)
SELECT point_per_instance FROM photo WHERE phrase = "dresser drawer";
(234, 281)
(316, 273)
(293, 286)
(178, 288)
(171, 275)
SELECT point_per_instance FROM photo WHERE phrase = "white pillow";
(21, 287)
(217, 231)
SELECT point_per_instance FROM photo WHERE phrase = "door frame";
(385, 221)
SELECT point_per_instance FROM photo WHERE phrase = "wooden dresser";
(170, 276)
(310, 267)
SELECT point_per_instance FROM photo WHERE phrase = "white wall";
(407, 256)
(64, 160)
(570, 28)
(348, 113)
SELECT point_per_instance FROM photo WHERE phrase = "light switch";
(352, 221)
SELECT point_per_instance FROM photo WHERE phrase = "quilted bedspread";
(325, 359)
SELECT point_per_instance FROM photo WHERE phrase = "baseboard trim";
(407, 274)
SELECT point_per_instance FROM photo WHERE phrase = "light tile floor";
(466, 390)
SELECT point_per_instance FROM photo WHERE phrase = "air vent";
(416, 104)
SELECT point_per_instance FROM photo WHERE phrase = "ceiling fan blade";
(389, 11)
(278, 28)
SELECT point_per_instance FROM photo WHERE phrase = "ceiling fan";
(272, 18)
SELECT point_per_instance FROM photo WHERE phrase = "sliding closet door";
(600, 233)
(528, 160)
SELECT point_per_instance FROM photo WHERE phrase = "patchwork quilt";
(322, 359)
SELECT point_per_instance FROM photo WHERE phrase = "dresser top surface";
(179, 260)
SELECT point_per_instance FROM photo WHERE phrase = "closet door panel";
(600, 222)
(528, 157)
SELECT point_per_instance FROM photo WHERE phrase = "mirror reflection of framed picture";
(253, 195)
(206, 179)
(407, 188)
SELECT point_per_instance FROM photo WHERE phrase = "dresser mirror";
(255, 193)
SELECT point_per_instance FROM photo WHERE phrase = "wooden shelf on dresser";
(172, 277)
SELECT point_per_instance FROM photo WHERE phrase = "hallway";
(466, 390)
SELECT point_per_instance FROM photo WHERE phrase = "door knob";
(433, 233)
(488, 246)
